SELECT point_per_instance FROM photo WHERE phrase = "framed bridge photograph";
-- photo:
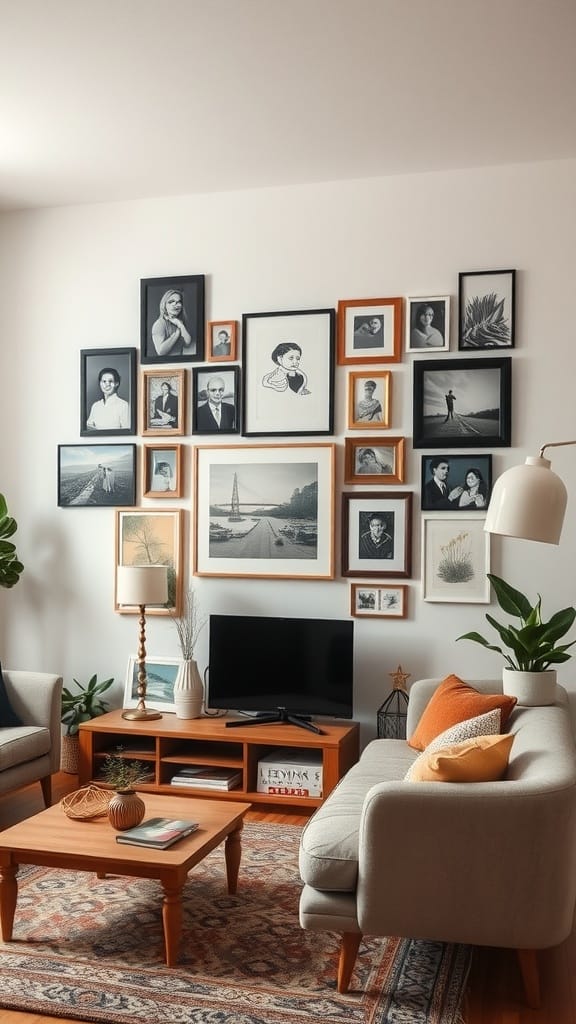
(265, 511)
(462, 403)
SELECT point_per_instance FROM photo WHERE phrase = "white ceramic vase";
(189, 692)
(531, 689)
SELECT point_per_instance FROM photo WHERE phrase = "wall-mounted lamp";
(142, 585)
(529, 501)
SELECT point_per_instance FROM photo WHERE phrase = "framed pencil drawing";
(107, 391)
(374, 460)
(428, 323)
(487, 309)
(265, 511)
(96, 475)
(163, 402)
(369, 330)
(162, 674)
(162, 470)
(462, 403)
(456, 483)
(150, 537)
(221, 341)
(288, 373)
(216, 400)
(378, 602)
(377, 534)
(455, 559)
(369, 400)
(172, 319)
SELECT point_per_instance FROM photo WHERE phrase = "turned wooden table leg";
(528, 961)
(348, 953)
(172, 922)
(8, 897)
(232, 854)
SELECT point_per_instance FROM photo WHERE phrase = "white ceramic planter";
(189, 692)
(531, 689)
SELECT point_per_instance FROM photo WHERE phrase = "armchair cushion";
(482, 759)
(455, 701)
(23, 744)
(8, 716)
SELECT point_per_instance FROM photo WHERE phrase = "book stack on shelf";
(157, 833)
(208, 778)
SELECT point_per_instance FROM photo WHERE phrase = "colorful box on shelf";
(288, 772)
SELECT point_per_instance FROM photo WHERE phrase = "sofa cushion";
(487, 724)
(21, 744)
(483, 759)
(455, 701)
(7, 715)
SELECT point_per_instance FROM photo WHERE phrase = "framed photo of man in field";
(462, 403)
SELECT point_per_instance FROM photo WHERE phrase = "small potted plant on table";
(126, 809)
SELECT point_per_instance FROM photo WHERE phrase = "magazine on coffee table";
(158, 833)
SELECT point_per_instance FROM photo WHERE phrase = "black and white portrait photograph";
(486, 300)
(107, 391)
(172, 319)
(456, 483)
(288, 373)
(93, 476)
(369, 400)
(162, 471)
(215, 401)
(463, 403)
(221, 341)
(428, 323)
(163, 402)
(376, 534)
(369, 330)
(372, 460)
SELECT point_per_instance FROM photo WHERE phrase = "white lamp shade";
(528, 501)
(142, 584)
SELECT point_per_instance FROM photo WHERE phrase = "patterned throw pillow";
(484, 759)
(454, 701)
(488, 724)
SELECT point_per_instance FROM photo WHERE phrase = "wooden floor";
(494, 992)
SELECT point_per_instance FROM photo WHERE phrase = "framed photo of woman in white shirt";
(107, 391)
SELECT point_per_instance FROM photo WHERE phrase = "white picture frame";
(162, 674)
(455, 559)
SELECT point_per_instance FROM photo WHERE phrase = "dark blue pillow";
(7, 715)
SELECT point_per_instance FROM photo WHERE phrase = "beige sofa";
(31, 752)
(490, 864)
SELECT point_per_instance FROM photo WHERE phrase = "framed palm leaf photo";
(486, 301)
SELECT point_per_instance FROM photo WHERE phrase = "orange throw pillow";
(453, 702)
(483, 759)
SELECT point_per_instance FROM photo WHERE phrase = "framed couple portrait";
(172, 319)
(456, 483)
(377, 534)
(370, 330)
(163, 402)
(462, 403)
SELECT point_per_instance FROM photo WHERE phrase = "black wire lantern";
(392, 713)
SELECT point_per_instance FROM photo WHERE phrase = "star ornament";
(399, 679)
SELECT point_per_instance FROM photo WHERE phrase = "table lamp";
(529, 501)
(142, 585)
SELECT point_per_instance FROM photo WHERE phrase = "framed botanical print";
(428, 323)
(456, 483)
(455, 559)
(163, 402)
(369, 330)
(221, 341)
(374, 460)
(96, 475)
(172, 319)
(265, 511)
(462, 403)
(162, 674)
(386, 601)
(377, 534)
(487, 309)
(151, 537)
(369, 400)
(216, 400)
(288, 373)
(162, 470)
(107, 391)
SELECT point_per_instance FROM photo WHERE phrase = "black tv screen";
(260, 663)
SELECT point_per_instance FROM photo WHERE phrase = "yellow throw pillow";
(452, 702)
(483, 759)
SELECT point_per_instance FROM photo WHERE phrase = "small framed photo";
(163, 402)
(456, 483)
(216, 401)
(455, 559)
(369, 330)
(428, 323)
(462, 403)
(162, 470)
(162, 674)
(382, 602)
(107, 391)
(150, 537)
(487, 309)
(288, 373)
(369, 400)
(377, 534)
(172, 319)
(95, 475)
(221, 341)
(371, 460)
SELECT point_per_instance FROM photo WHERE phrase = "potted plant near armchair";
(10, 565)
(78, 707)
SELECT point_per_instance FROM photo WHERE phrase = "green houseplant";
(10, 565)
(77, 707)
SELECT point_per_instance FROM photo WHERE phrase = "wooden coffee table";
(52, 839)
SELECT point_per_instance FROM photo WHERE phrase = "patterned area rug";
(92, 949)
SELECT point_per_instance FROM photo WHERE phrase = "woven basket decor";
(88, 802)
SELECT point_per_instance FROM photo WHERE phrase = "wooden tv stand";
(172, 743)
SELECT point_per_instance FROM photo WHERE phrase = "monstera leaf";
(10, 566)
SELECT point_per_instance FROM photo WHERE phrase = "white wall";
(69, 279)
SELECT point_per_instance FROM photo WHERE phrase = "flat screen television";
(284, 670)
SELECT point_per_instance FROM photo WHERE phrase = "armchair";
(31, 752)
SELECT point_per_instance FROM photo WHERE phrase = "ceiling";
(121, 99)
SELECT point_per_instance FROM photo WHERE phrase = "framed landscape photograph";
(377, 534)
(369, 400)
(221, 341)
(150, 537)
(216, 400)
(265, 511)
(107, 391)
(455, 559)
(162, 470)
(172, 319)
(161, 676)
(163, 402)
(369, 330)
(456, 483)
(462, 403)
(374, 460)
(378, 602)
(96, 475)
(487, 309)
(288, 373)
(428, 323)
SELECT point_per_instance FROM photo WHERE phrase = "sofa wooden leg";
(348, 953)
(528, 961)
(46, 784)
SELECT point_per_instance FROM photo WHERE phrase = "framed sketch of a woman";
(172, 319)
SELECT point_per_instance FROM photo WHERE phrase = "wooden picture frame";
(462, 403)
(369, 399)
(370, 330)
(216, 400)
(96, 475)
(288, 373)
(163, 402)
(459, 484)
(487, 309)
(162, 470)
(221, 341)
(150, 537)
(378, 601)
(107, 392)
(428, 323)
(265, 511)
(374, 460)
(455, 559)
(377, 534)
(172, 319)
(162, 674)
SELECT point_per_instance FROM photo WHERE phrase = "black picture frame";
(279, 399)
(153, 293)
(455, 496)
(96, 475)
(203, 422)
(95, 419)
(486, 310)
(480, 414)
